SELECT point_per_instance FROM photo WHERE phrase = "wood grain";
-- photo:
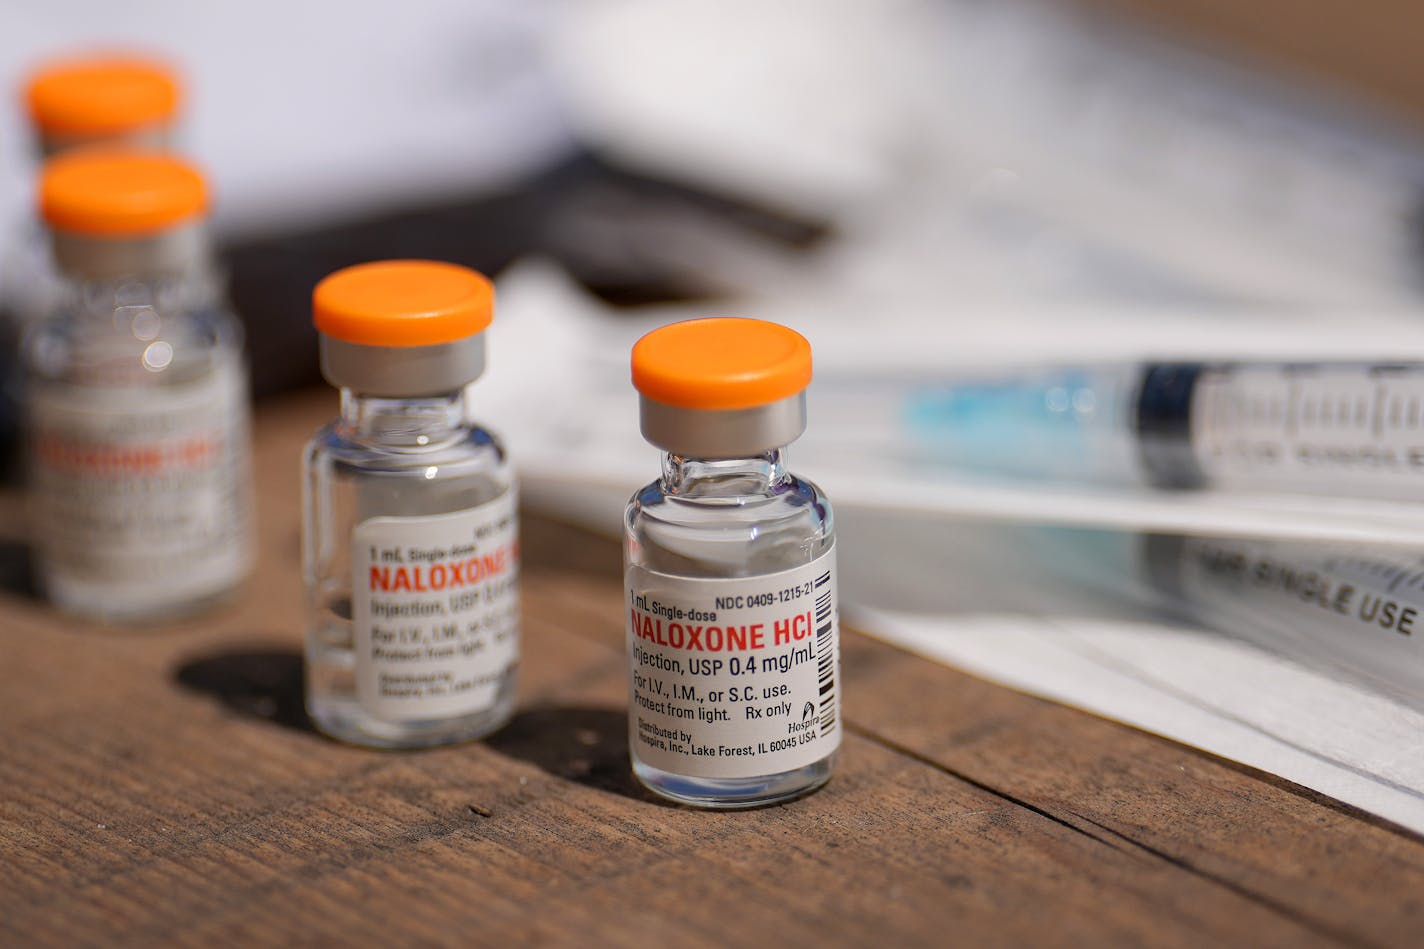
(163, 787)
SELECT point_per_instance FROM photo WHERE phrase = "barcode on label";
(826, 652)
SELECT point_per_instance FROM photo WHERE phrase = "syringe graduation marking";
(1386, 408)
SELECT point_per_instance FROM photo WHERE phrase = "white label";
(1352, 609)
(144, 492)
(734, 678)
(435, 603)
(1340, 427)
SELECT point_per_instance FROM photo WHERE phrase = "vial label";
(143, 492)
(435, 606)
(734, 678)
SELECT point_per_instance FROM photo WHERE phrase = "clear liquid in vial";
(349, 480)
(723, 520)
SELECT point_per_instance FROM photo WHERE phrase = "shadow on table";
(17, 570)
(583, 744)
(261, 683)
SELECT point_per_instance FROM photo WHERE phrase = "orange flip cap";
(101, 95)
(721, 364)
(104, 192)
(403, 303)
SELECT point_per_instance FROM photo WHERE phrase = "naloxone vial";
(120, 100)
(729, 565)
(135, 397)
(411, 546)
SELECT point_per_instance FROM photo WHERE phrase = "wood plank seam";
(1304, 919)
(1316, 926)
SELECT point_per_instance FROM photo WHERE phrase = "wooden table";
(164, 787)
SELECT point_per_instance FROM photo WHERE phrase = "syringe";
(1340, 429)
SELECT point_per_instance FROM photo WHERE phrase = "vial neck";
(413, 424)
(753, 476)
(155, 138)
(114, 297)
(181, 252)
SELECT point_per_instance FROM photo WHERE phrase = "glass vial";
(410, 541)
(729, 566)
(136, 405)
(127, 100)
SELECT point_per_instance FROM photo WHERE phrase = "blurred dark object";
(10, 462)
(608, 227)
